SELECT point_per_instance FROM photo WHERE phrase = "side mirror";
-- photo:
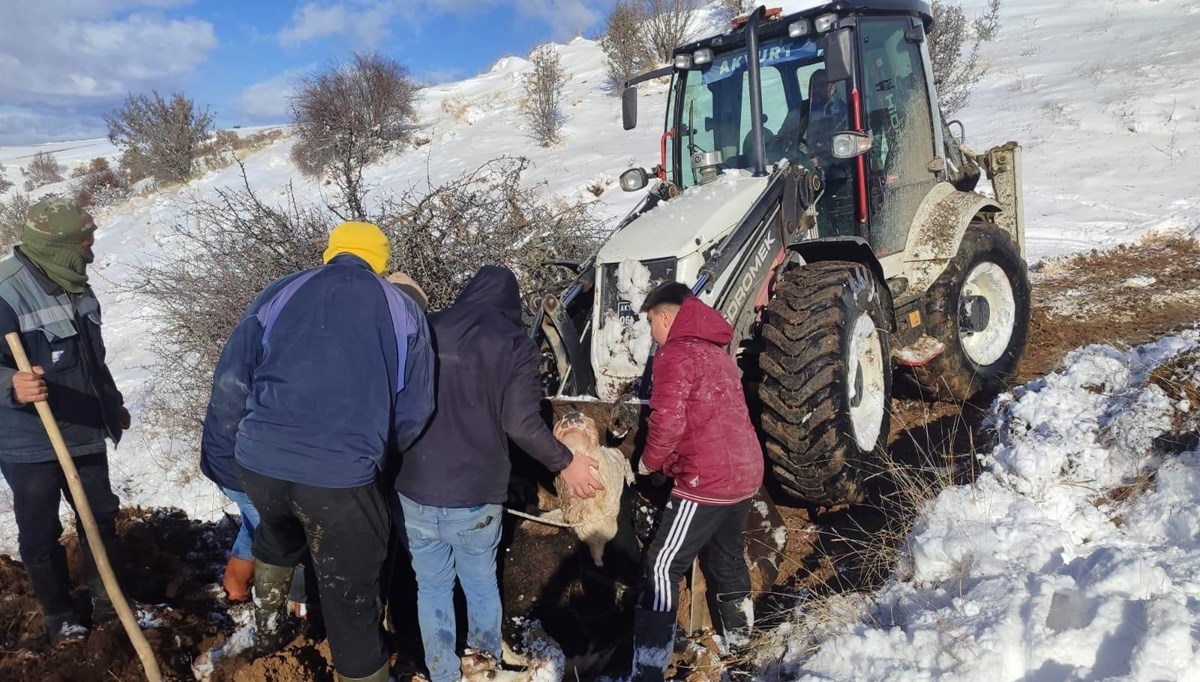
(850, 145)
(915, 34)
(634, 179)
(839, 55)
(629, 107)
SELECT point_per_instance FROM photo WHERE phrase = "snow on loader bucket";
(811, 189)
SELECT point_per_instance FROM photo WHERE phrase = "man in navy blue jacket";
(454, 480)
(329, 370)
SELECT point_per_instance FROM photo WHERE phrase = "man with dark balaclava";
(44, 295)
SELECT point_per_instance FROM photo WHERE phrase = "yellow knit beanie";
(364, 240)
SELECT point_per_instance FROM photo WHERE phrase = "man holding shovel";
(44, 296)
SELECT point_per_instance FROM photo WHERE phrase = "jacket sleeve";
(232, 384)
(415, 402)
(102, 354)
(672, 377)
(521, 413)
(8, 366)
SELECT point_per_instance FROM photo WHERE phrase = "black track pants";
(347, 532)
(687, 529)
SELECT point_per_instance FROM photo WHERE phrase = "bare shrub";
(349, 116)
(97, 184)
(222, 150)
(12, 221)
(43, 170)
(669, 24)
(5, 183)
(624, 43)
(736, 8)
(161, 137)
(486, 216)
(543, 95)
(233, 246)
(954, 48)
(226, 251)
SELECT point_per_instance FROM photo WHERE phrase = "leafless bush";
(349, 116)
(222, 150)
(97, 184)
(954, 48)
(624, 43)
(543, 95)
(43, 170)
(226, 251)
(12, 221)
(5, 183)
(736, 8)
(160, 137)
(669, 24)
(232, 247)
(487, 216)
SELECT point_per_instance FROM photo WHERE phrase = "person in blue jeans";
(454, 479)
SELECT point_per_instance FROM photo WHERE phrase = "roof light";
(798, 29)
(683, 61)
(825, 22)
(702, 56)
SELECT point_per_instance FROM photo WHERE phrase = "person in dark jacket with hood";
(700, 434)
(454, 479)
(329, 370)
(44, 295)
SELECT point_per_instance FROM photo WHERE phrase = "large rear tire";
(827, 380)
(978, 308)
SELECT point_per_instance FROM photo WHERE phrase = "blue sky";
(63, 63)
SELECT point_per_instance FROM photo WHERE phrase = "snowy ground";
(1105, 97)
(1051, 566)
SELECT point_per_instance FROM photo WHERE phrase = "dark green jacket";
(61, 333)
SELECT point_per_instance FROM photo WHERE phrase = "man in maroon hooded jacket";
(701, 436)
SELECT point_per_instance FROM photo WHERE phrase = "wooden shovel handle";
(84, 509)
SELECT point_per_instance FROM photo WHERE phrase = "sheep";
(594, 521)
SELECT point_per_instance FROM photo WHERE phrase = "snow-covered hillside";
(1104, 95)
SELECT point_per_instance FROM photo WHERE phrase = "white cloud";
(267, 101)
(75, 55)
(366, 21)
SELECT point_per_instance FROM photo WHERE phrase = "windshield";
(801, 111)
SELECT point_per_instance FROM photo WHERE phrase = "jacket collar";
(351, 260)
(48, 286)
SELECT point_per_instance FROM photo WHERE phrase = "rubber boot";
(103, 610)
(737, 621)
(381, 675)
(653, 644)
(52, 587)
(239, 576)
(271, 585)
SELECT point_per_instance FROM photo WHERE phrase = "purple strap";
(269, 312)
(402, 322)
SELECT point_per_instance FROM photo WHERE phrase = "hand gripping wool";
(594, 521)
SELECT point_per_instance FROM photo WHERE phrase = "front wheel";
(827, 380)
(978, 308)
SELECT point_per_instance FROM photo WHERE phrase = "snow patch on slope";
(1036, 571)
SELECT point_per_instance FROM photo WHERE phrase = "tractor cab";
(844, 90)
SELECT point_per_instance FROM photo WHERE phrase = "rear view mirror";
(629, 107)
(839, 55)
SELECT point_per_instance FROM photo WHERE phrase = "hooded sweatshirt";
(489, 390)
(700, 431)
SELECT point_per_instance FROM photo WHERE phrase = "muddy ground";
(1124, 297)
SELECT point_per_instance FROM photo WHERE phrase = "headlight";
(825, 22)
(702, 56)
(634, 179)
(683, 61)
(850, 145)
(798, 29)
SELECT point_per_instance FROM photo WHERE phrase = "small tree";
(624, 43)
(954, 49)
(349, 116)
(161, 136)
(669, 24)
(12, 221)
(43, 170)
(543, 95)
